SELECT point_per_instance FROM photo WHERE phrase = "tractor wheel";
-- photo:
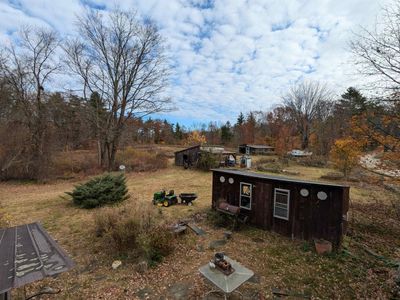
(166, 203)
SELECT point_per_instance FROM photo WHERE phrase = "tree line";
(311, 119)
(119, 65)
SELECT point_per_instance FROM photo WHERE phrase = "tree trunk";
(99, 153)
(304, 137)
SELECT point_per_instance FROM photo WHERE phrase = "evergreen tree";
(354, 103)
(178, 132)
(226, 133)
(99, 191)
(240, 119)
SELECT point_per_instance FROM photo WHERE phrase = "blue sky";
(228, 56)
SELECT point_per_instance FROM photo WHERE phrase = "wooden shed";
(251, 149)
(188, 157)
(296, 208)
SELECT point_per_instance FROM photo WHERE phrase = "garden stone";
(216, 244)
(179, 291)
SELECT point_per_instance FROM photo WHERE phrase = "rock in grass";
(200, 248)
(216, 244)
(116, 264)
(227, 235)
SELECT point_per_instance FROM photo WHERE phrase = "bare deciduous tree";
(122, 59)
(26, 67)
(307, 102)
(377, 51)
(377, 55)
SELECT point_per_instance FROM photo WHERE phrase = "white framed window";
(245, 195)
(281, 204)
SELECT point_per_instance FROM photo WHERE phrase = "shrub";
(69, 163)
(141, 160)
(345, 154)
(265, 160)
(207, 161)
(271, 167)
(313, 161)
(99, 191)
(218, 219)
(120, 227)
(156, 244)
(134, 229)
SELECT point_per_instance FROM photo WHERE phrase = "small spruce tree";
(99, 191)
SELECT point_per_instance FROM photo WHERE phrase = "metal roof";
(257, 146)
(271, 177)
(27, 254)
(192, 147)
(207, 148)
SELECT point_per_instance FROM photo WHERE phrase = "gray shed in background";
(251, 149)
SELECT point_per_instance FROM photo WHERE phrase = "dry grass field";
(277, 261)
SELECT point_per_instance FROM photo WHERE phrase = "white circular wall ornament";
(222, 179)
(231, 180)
(304, 192)
(322, 195)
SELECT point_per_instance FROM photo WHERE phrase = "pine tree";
(226, 133)
(99, 191)
(240, 119)
(178, 132)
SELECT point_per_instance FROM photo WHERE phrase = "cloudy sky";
(229, 55)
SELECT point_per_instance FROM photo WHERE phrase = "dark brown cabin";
(296, 208)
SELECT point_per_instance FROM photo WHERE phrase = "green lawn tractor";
(161, 198)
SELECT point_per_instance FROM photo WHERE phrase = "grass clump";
(134, 230)
(137, 160)
(99, 191)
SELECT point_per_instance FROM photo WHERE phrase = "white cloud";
(234, 55)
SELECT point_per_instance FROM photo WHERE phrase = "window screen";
(281, 204)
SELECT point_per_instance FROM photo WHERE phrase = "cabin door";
(263, 205)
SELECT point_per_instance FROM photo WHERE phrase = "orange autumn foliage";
(194, 138)
(371, 128)
(345, 154)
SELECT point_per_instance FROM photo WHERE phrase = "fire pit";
(222, 264)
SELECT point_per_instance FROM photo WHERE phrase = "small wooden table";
(227, 284)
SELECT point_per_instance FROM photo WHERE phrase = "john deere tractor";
(161, 198)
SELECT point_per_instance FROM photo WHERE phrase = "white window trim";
(288, 205)
(251, 195)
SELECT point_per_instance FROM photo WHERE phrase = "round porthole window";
(222, 179)
(322, 195)
(231, 181)
(304, 192)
